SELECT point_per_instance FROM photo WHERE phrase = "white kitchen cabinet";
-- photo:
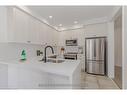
(30, 29)
(21, 22)
(43, 34)
(61, 38)
(34, 27)
(38, 32)
(55, 38)
(3, 24)
(81, 57)
(3, 76)
(72, 34)
(27, 28)
(51, 37)
(18, 26)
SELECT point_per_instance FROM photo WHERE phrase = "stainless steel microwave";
(72, 42)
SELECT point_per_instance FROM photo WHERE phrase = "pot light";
(60, 25)
(75, 22)
(50, 17)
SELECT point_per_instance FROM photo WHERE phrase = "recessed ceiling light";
(60, 24)
(75, 22)
(50, 17)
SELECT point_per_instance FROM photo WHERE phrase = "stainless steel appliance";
(96, 55)
(70, 55)
(72, 42)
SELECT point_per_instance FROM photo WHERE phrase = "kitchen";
(26, 31)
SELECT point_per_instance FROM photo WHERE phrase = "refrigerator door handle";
(94, 49)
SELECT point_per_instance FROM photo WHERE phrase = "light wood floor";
(89, 81)
(118, 76)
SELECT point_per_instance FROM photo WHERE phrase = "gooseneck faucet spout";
(45, 56)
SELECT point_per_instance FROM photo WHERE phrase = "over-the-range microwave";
(72, 42)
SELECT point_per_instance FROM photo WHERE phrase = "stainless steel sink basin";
(54, 60)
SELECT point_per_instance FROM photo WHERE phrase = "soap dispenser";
(23, 55)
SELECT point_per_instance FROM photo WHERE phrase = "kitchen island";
(35, 74)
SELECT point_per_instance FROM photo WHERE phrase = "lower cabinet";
(81, 57)
(3, 76)
(22, 77)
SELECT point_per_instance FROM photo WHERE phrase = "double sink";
(54, 59)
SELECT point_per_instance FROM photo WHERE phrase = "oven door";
(70, 57)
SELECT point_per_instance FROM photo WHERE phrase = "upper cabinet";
(3, 24)
(24, 28)
(21, 26)
(72, 34)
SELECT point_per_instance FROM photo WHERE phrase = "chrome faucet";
(45, 57)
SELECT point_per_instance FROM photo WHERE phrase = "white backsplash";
(13, 50)
(71, 49)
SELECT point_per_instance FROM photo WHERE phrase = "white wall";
(3, 76)
(118, 41)
(13, 50)
(125, 49)
(111, 49)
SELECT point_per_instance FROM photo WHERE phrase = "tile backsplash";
(78, 49)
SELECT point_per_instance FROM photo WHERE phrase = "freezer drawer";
(95, 67)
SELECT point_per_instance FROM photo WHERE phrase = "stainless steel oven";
(71, 56)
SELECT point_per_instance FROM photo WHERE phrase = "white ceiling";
(66, 15)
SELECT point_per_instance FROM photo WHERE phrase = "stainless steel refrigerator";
(95, 50)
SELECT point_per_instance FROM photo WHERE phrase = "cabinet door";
(3, 24)
(61, 38)
(81, 57)
(40, 33)
(28, 29)
(43, 34)
(52, 36)
(37, 31)
(48, 35)
(32, 30)
(55, 37)
(21, 26)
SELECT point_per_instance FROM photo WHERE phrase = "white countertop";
(65, 68)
